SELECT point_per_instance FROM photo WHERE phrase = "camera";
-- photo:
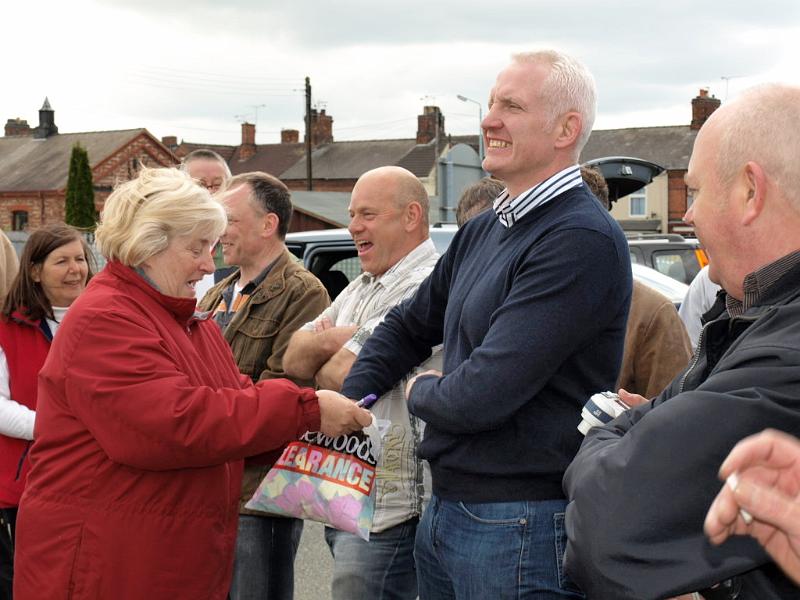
(600, 409)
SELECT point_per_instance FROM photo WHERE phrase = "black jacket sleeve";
(640, 486)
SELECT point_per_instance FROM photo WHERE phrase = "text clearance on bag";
(325, 479)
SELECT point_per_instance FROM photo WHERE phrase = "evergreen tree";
(80, 192)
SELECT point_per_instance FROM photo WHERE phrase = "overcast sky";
(197, 69)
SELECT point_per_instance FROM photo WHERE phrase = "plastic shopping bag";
(325, 479)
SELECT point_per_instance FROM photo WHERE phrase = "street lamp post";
(480, 121)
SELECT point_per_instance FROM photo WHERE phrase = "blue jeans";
(380, 569)
(500, 550)
(264, 564)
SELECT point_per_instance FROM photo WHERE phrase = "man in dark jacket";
(641, 485)
(530, 300)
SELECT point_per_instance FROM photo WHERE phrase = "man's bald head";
(761, 126)
(743, 176)
(388, 217)
(402, 185)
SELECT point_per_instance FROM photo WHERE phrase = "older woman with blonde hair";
(143, 418)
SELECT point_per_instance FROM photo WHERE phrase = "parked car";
(672, 289)
(331, 255)
(671, 254)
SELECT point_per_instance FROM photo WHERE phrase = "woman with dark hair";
(53, 271)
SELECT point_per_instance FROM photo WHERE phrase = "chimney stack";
(47, 121)
(702, 107)
(248, 147)
(17, 127)
(170, 141)
(321, 127)
(430, 125)
(290, 136)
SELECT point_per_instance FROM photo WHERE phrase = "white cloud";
(189, 68)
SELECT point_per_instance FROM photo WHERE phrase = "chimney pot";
(321, 127)
(430, 125)
(702, 108)
(290, 136)
(248, 147)
(17, 127)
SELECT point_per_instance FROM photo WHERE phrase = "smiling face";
(519, 149)
(62, 274)
(177, 269)
(381, 229)
(243, 240)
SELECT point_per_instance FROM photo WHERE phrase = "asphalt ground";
(313, 566)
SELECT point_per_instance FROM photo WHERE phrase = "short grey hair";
(205, 154)
(142, 216)
(569, 87)
(762, 125)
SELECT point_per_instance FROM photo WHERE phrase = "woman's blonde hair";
(143, 215)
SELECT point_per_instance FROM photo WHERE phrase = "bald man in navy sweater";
(530, 301)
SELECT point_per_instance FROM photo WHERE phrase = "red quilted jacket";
(142, 424)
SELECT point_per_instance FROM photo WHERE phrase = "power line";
(211, 90)
(232, 131)
(227, 76)
(188, 79)
(368, 125)
(202, 86)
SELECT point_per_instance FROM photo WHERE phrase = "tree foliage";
(80, 211)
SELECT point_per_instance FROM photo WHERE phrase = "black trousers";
(8, 520)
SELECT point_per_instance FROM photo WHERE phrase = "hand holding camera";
(600, 409)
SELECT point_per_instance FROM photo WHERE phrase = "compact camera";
(600, 409)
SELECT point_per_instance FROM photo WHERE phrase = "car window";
(680, 264)
(334, 266)
(296, 250)
(351, 267)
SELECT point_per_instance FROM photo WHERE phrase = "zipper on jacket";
(701, 339)
(22, 460)
(695, 358)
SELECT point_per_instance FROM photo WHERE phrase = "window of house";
(638, 204)
(19, 220)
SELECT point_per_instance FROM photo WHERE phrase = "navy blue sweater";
(533, 321)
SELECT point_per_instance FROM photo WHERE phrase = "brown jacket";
(657, 347)
(288, 298)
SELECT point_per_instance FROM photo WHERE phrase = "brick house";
(336, 166)
(34, 165)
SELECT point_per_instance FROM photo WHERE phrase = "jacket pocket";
(252, 344)
(22, 458)
(74, 587)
